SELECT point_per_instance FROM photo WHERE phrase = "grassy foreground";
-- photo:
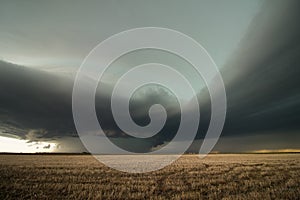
(228, 176)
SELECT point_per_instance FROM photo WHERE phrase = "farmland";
(220, 176)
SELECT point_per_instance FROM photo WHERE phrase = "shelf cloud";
(261, 80)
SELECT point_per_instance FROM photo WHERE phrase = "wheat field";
(220, 176)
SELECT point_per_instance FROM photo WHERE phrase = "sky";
(60, 34)
(255, 45)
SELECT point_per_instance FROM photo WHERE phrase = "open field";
(228, 176)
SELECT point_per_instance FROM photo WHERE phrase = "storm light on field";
(14, 145)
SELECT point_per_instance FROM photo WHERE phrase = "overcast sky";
(255, 44)
(61, 33)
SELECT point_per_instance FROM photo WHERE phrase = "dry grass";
(268, 176)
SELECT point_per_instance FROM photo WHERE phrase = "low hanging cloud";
(36, 106)
(261, 80)
(35, 135)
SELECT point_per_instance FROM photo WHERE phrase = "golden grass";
(264, 176)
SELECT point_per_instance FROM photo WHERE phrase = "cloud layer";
(261, 79)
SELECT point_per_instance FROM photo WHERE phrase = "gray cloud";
(36, 105)
(261, 80)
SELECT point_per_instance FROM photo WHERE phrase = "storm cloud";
(261, 80)
(37, 105)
